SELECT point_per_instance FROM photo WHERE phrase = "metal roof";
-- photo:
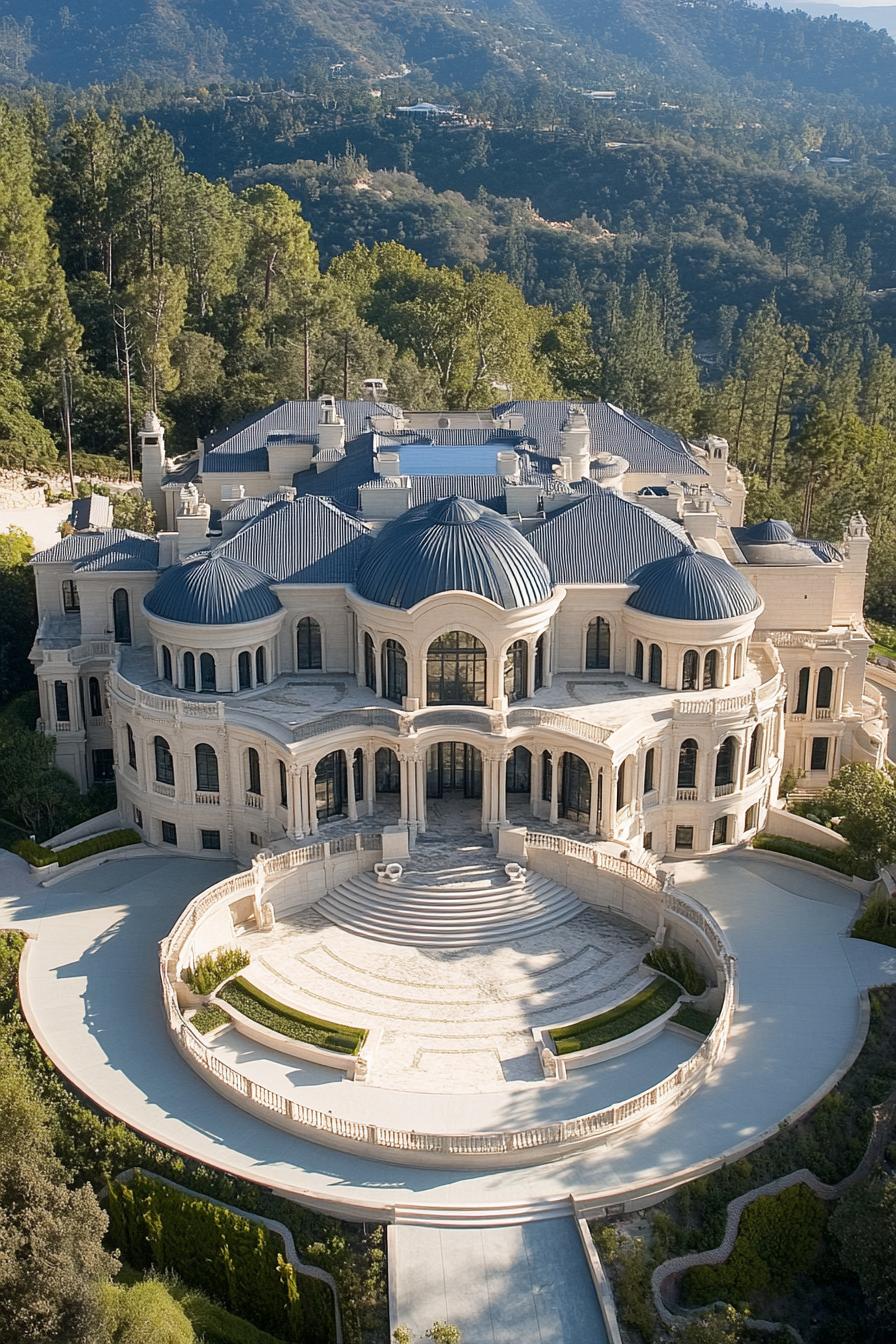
(646, 447)
(212, 589)
(773, 542)
(452, 545)
(115, 548)
(307, 540)
(602, 537)
(93, 511)
(243, 446)
(693, 586)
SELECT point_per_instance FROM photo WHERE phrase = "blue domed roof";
(773, 529)
(452, 545)
(692, 586)
(212, 590)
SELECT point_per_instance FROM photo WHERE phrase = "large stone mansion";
(544, 609)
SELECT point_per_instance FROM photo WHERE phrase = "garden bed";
(877, 922)
(40, 857)
(651, 1002)
(694, 1019)
(839, 861)
(267, 1012)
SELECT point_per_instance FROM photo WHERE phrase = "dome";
(452, 545)
(692, 586)
(772, 530)
(212, 589)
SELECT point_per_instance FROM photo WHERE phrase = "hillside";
(590, 43)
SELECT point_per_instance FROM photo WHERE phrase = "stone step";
(394, 896)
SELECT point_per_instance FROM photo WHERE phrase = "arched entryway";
(574, 797)
(331, 786)
(453, 769)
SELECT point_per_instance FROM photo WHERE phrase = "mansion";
(544, 610)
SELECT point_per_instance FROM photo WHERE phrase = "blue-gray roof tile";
(115, 548)
(212, 589)
(307, 540)
(603, 538)
(243, 447)
(693, 586)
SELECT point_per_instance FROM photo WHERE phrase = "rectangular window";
(60, 694)
(819, 758)
(648, 839)
(169, 833)
(255, 839)
(138, 815)
(751, 818)
(70, 599)
(103, 766)
(211, 839)
(684, 837)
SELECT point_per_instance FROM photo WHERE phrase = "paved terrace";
(91, 993)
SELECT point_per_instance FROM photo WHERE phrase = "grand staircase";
(452, 907)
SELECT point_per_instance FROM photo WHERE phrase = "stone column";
(370, 778)
(420, 769)
(350, 785)
(501, 769)
(313, 824)
(555, 786)
(593, 817)
(293, 777)
(530, 667)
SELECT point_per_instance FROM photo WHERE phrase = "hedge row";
(678, 965)
(651, 1002)
(839, 860)
(208, 1017)
(39, 856)
(261, 1008)
(211, 969)
(223, 1254)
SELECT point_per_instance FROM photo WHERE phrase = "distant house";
(94, 512)
(427, 111)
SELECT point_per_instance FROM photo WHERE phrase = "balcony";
(686, 795)
(206, 798)
(724, 790)
(254, 800)
(164, 790)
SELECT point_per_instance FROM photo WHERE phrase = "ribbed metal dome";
(773, 529)
(692, 586)
(452, 545)
(212, 590)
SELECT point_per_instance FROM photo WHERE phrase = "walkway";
(92, 995)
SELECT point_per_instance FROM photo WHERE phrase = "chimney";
(575, 442)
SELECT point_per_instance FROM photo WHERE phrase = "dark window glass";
(254, 771)
(751, 818)
(189, 672)
(620, 786)
(121, 616)
(207, 671)
(211, 839)
(308, 655)
(103, 765)
(687, 764)
(824, 688)
(455, 670)
(395, 671)
(802, 693)
(649, 762)
(169, 833)
(639, 660)
(164, 761)
(260, 677)
(819, 760)
(166, 663)
(95, 698)
(575, 788)
(519, 770)
(284, 784)
(689, 665)
(132, 748)
(725, 762)
(648, 840)
(710, 670)
(720, 831)
(516, 671)
(244, 671)
(206, 769)
(453, 767)
(369, 663)
(60, 693)
(388, 775)
(539, 663)
(656, 665)
(755, 747)
(547, 767)
(138, 816)
(70, 599)
(597, 644)
(684, 837)
(331, 786)
(358, 773)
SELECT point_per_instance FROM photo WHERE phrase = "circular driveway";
(91, 994)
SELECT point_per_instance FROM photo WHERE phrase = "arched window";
(519, 770)
(649, 768)
(455, 670)
(755, 749)
(60, 695)
(395, 671)
(189, 672)
(164, 761)
(710, 670)
(244, 671)
(331, 786)
(823, 688)
(206, 671)
(260, 677)
(547, 774)
(96, 700)
(739, 660)
(687, 764)
(597, 643)
(284, 784)
(725, 762)
(656, 665)
(802, 691)
(620, 785)
(369, 662)
(206, 769)
(166, 663)
(132, 748)
(121, 616)
(516, 671)
(639, 660)
(689, 666)
(574, 800)
(539, 663)
(308, 655)
(388, 774)
(253, 771)
(358, 773)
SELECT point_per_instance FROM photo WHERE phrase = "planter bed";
(651, 1002)
(278, 1017)
(838, 860)
(38, 856)
(695, 1019)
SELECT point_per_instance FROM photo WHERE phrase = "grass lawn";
(884, 645)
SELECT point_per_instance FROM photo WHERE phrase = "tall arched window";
(547, 776)
(824, 688)
(597, 644)
(574, 800)
(253, 771)
(60, 695)
(369, 662)
(649, 769)
(207, 671)
(308, 654)
(284, 784)
(95, 698)
(260, 670)
(206, 769)
(244, 670)
(164, 761)
(455, 670)
(516, 671)
(739, 660)
(802, 691)
(121, 616)
(690, 664)
(755, 748)
(166, 663)
(189, 672)
(132, 747)
(395, 671)
(539, 663)
(656, 665)
(639, 660)
(710, 670)
(331, 786)
(388, 773)
(358, 773)
(725, 762)
(519, 770)
(687, 764)
(620, 785)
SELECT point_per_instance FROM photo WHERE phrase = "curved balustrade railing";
(539, 1142)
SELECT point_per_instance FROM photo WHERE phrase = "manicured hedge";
(877, 922)
(839, 860)
(39, 856)
(652, 1001)
(678, 965)
(211, 969)
(689, 1016)
(209, 1016)
(261, 1008)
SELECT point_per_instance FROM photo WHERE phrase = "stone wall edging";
(857, 884)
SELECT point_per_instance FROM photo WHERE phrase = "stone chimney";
(575, 442)
(192, 522)
(330, 426)
(151, 437)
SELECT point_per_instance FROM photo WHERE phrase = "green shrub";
(214, 967)
(839, 860)
(678, 965)
(877, 922)
(208, 1017)
(39, 856)
(257, 1005)
(624, 1018)
(689, 1016)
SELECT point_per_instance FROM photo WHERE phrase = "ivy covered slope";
(705, 41)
